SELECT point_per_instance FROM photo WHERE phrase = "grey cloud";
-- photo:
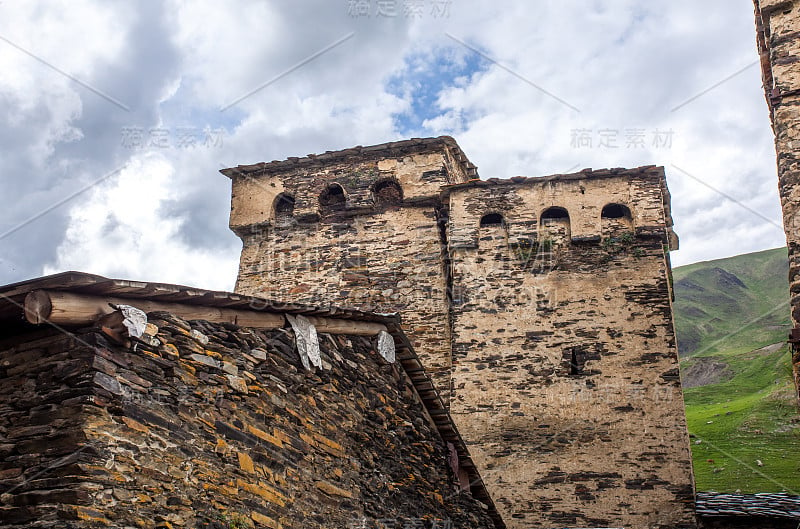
(38, 180)
(624, 67)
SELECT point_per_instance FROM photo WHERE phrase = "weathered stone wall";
(46, 396)
(217, 426)
(566, 385)
(778, 40)
(546, 323)
(379, 250)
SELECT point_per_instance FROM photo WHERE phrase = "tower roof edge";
(382, 150)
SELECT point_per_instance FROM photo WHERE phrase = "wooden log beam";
(69, 308)
(350, 327)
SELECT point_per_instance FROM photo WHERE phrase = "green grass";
(725, 310)
(749, 418)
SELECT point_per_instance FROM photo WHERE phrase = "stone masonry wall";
(46, 396)
(547, 327)
(376, 251)
(566, 385)
(215, 426)
(778, 40)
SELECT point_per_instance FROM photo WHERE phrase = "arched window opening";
(284, 208)
(333, 197)
(616, 211)
(492, 220)
(555, 214)
(387, 192)
(615, 221)
(555, 227)
(284, 205)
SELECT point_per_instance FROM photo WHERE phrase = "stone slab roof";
(95, 285)
(647, 171)
(12, 321)
(761, 505)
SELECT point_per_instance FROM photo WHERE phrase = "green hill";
(732, 321)
(737, 303)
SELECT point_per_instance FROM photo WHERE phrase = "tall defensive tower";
(778, 41)
(541, 306)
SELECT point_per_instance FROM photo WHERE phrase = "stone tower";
(778, 41)
(362, 228)
(541, 306)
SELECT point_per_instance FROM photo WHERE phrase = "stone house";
(207, 416)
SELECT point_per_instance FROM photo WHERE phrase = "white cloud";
(626, 69)
(121, 232)
(624, 65)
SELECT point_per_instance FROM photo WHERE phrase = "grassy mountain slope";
(739, 303)
(732, 322)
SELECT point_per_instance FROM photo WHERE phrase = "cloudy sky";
(117, 116)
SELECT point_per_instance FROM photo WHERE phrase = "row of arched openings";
(389, 192)
(333, 197)
(557, 214)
